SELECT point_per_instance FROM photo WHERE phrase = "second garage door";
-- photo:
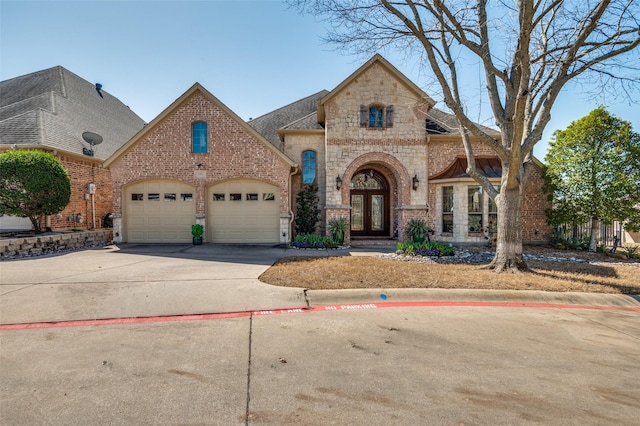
(243, 211)
(159, 211)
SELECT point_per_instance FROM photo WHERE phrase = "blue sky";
(255, 56)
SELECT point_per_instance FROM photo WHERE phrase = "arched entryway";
(370, 204)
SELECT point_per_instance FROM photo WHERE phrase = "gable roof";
(174, 106)
(269, 124)
(376, 59)
(54, 107)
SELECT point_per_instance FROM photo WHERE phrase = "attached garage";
(243, 211)
(159, 211)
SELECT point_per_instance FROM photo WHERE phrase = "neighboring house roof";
(490, 167)
(197, 87)
(54, 107)
(269, 124)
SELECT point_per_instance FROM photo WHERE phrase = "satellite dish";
(92, 138)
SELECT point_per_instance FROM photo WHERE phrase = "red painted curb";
(325, 308)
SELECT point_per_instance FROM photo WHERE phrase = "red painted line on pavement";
(325, 308)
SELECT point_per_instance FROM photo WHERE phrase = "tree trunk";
(35, 221)
(508, 256)
(593, 238)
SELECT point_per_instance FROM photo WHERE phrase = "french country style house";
(379, 151)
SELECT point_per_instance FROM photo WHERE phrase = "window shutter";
(363, 116)
(389, 118)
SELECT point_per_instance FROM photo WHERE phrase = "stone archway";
(374, 210)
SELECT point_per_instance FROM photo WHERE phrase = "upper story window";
(376, 116)
(199, 136)
(308, 167)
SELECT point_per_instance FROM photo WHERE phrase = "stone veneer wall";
(441, 153)
(46, 244)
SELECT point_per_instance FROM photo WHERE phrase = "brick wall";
(82, 172)
(165, 152)
(441, 153)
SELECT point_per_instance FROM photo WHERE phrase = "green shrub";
(308, 212)
(338, 229)
(632, 252)
(32, 183)
(426, 248)
(313, 241)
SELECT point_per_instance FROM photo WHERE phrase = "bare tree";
(529, 51)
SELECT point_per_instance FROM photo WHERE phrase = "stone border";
(53, 242)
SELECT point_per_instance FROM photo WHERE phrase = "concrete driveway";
(141, 281)
(269, 355)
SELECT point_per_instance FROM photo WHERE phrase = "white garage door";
(15, 223)
(159, 211)
(243, 211)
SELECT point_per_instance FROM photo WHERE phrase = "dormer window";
(376, 116)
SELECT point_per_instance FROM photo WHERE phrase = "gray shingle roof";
(269, 124)
(53, 107)
(308, 122)
(440, 122)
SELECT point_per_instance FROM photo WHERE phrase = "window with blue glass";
(308, 167)
(199, 136)
(376, 115)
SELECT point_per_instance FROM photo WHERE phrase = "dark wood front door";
(369, 205)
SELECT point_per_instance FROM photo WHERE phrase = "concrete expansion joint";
(306, 298)
(247, 407)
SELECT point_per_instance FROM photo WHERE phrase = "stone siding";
(47, 244)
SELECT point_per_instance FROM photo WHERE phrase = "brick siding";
(166, 153)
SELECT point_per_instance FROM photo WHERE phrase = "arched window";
(308, 167)
(199, 136)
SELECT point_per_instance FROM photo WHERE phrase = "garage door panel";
(252, 219)
(165, 218)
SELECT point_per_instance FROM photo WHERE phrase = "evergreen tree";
(593, 173)
(308, 213)
(32, 183)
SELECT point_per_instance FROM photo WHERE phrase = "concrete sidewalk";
(163, 280)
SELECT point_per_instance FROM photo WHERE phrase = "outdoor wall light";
(338, 183)
(415, 182)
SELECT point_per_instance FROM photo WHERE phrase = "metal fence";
(607, 232)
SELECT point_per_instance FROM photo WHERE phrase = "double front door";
(369, 205)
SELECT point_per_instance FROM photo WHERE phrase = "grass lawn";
(602, 274)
